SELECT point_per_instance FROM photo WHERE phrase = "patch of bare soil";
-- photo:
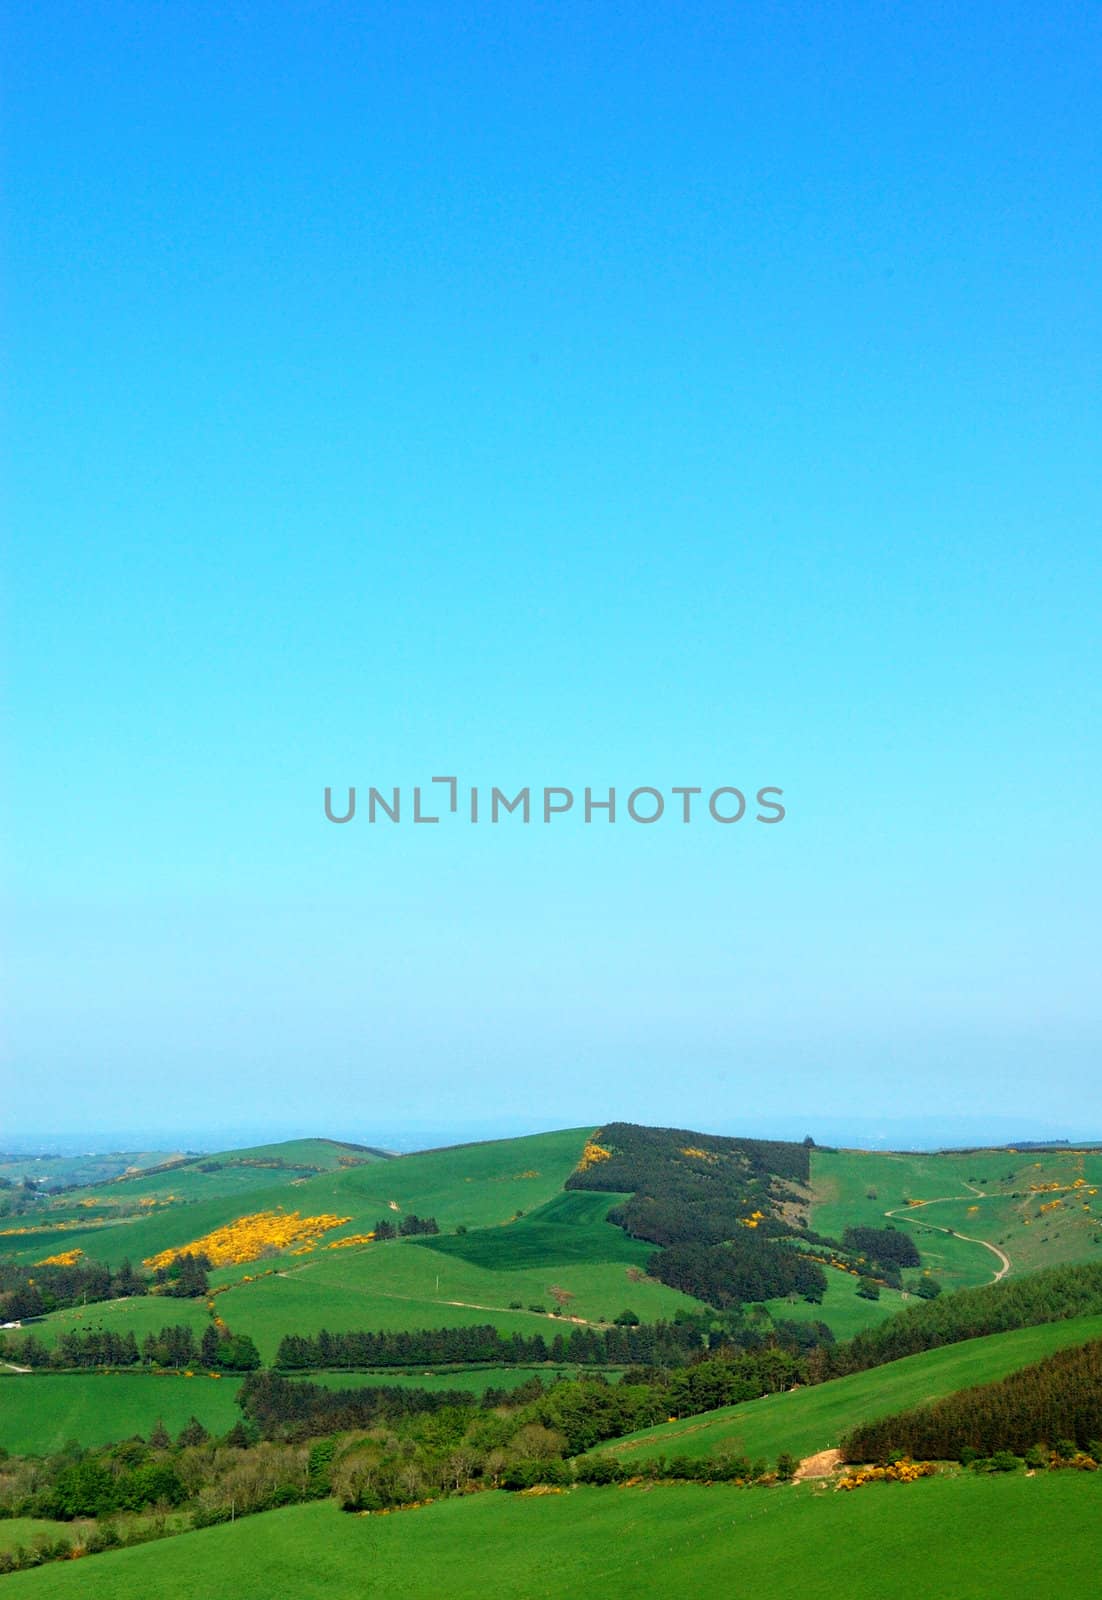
(820, 1465)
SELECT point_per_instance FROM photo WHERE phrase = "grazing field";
(843, 1310)
(804, 1421)
(475, 1185)
(44, 1412)
(16, 1531)
(992, 1195)
(571, 1227)
(970, 1537)
(141, 1315)
(41, 1413)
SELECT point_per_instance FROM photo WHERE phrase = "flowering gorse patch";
(249, 1237)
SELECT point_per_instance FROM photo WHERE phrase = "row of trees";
(219, 1350)
(1056, 1400)
(409, 1227)
(661, 1343)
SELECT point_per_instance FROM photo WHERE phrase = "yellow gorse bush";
(592, 1154)
(905, 1471)
(351, 1238)
(67, 1258)
(249, 1237)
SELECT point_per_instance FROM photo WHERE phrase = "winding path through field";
(945, 1199)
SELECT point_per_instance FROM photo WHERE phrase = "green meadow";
(969, 1537)
(141, 1315)
(25, 1531)
(43, 1412)
(842, 1308)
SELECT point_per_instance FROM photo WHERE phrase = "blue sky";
(552, 395)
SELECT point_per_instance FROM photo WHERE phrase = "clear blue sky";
(664, 394)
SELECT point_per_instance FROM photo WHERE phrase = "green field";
(139, 1316)
(27, 1531)
(842, 1308)
(969, 1537)
(43, 1412)
(571, 1227)
(806, 1420)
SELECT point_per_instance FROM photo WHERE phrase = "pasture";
(967, 1536)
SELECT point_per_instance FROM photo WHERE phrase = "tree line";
(1055, 1402)
(1050, 1295)
(655, 1344)
(219, 1350)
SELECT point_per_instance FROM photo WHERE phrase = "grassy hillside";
(526, 1243)
(841, 1308)
(994, 1196)
(403, 1285)
(473, 1185)
(137, 1215)
(810, 1419)
(970, 1537)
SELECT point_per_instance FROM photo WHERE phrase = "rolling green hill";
(527, 1244)
(807, 1420)
(515, 1245)
(969, 1537)
(472, 1185)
